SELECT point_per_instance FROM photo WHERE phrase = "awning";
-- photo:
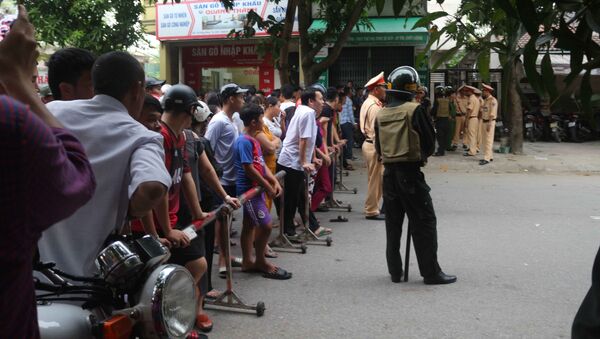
(385, 32)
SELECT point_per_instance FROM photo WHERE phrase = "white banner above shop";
(208, 19)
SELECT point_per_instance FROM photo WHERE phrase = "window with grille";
(362, 63)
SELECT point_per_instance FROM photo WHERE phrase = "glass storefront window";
(215, 78)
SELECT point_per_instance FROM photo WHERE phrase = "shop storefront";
(390, 43)
(212, 66)
(194, 35)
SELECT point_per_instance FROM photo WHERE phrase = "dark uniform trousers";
(442, 129)
(406, 192)
(587, 320)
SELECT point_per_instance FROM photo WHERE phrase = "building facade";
(195, 48)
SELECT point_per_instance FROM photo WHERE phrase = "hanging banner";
(320, 56)
(208, 19)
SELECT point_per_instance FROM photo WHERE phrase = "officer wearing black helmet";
(441, 115)
(404, 138)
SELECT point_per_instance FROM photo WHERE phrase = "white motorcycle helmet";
(202, 112)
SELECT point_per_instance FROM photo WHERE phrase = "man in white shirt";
(127, 159)
(287, 96)
(297, 153)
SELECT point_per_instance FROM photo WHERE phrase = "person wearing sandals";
(180, 103)
(270, 145)
(252, 172)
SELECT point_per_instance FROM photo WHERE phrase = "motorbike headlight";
(169, 303)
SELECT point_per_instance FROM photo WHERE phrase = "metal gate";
(362, 63)
(458, 77)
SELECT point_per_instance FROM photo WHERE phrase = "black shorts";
(195, 250)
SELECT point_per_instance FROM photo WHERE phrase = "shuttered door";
(352, 64)
(362, 63)
(387, 59)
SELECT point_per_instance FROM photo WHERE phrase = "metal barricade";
(341, 188)
(229, 300)
(282, 243)
(308, 236)
(332, 203)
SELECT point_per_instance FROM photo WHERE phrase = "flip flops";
(213, 294)
(278, 274)
(269, 253)
(203, 323)
(322, 231)
(236, 262)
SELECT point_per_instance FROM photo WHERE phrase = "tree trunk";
(283, 65)
(311, 69)
(516, 111)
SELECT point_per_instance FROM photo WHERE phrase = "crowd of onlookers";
(106, 150)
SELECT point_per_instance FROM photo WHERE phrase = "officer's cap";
(376, 80)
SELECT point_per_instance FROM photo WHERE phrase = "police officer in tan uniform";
(477, 93)
(404, 138)
(472, 122)
(489, 115)
(368, 112)
(461, 103)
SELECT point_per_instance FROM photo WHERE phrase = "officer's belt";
(459, 114)
(488, 120)
(473, 117)
(369, 141)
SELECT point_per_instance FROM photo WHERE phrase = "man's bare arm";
(145, 198)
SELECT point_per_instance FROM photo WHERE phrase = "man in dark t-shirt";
(180, 103)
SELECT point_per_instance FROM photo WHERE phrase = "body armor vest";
(398, 140)
(443, 108)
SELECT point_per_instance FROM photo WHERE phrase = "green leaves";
(483, 65)
(429, 18)
(97, 25)
(507, 7)
(379, 5)
(397, 5)
(528, 15)
(530, 55)
(548, 78)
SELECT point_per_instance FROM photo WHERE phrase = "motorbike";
(556, 127)
(136, 295)
(533, 126)
(577, 130)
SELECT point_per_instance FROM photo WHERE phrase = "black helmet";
(317, 86)
(180, 98)
(403, 79)
(440, 89)
(448, 90)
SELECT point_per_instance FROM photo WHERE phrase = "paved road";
(522, 246)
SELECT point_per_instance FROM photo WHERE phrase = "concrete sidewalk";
(539, 157)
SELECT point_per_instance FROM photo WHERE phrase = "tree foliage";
(341, 16)
(499, 26)
(97, 25)
(564, 24)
